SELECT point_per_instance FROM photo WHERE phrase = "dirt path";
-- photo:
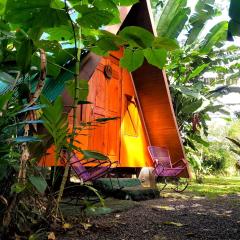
(172, 217)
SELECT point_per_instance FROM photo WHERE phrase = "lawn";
(215, 186)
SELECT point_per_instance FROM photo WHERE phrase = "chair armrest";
(182, 160)
(87, 161)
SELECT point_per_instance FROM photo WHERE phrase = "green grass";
(215, 186)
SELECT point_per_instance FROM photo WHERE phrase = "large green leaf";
(60, 33)
(132, 59)
(199, 139)
(172, 8)
(125, 2)
(39, 183)
(24, 55)
(2, 6)
(7, 78)
(32, 13)
(106, 44)
(93, 17)
(137, 37)
(216, 34)
(4, 98)
(166, 43)
(18, 187)
(52, 68)
(82, 91)
(178, 23)
(204, 10)
(235, 141)
(93, 154)
(55, 121)
(189, 91)
(156, 57)
(191, 107)
(64, 56)
(57, 4)
(197, 71)
(110, 6)
(48, 46)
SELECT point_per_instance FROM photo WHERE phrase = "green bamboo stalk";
(75, 101)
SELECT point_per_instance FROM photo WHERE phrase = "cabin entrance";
(105, 94)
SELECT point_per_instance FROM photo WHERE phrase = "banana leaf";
(170, 11)
(204, 11)
(177, 24)
(216, 34)
(235, 141)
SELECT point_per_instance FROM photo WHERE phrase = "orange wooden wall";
(123, 140)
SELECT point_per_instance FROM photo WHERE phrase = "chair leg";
(165, 181)
(162, 180)
(181, 185)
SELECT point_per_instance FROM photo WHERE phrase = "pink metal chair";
(164, 169)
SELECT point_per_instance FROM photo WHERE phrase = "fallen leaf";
(17, 237)
(51, 236)
(167, 208)
(145, 231)
(157, 237)
(190, 234)
(86, 226)
(117, 215)
(174, 224)
(33, 237)
(66, 226)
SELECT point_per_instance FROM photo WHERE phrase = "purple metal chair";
(164, 169)
(89, 170)
(86, 170)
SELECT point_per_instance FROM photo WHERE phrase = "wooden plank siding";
(153, 91)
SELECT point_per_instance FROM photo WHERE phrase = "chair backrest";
(160, 154)
(79, 169)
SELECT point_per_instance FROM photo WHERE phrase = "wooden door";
(105, 93)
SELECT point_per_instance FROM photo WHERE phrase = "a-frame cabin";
(141, 100)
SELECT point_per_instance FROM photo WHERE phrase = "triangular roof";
(151, 87)
(153, 92)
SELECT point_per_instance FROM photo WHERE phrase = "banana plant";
(236, 142)
(194, 97)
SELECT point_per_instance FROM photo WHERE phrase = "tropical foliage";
(234, 137)
(40, 41)
(195, 95)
